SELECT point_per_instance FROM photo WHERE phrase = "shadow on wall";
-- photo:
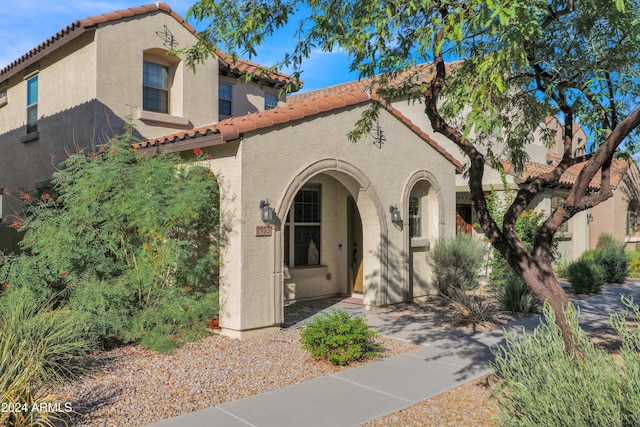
(393, 286)
(27, 166)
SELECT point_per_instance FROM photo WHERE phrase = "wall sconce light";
(589, 217)
(395, 215)
(267, 213)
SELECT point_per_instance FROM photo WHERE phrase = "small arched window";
(632, 218)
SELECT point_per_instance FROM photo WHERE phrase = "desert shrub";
(340, 338)
(614, 261)
(606, 240)
(560, 268)
(39, 346)
(124, 238)
(471, 309)
(539, 383)
(610, 254)
(634, 262)
(455, 262)
(585, 276)
(516, 296)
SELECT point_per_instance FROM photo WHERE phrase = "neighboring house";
(619, 215)
(77, 89)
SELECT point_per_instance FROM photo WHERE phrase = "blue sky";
(33, 21)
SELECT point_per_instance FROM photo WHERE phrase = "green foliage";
(606, 240)
(455, 262)
(610, 254)
(634, 263)
(471, 309)
(39, 346)
(541, 384)
(614, 261)
(340, 338)
(560, 268)
(133, 241)
(516, 296)
(585, 276)
(527, 225)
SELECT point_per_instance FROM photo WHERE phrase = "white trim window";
(557, 201)
(225, 99)
(632, 219)
(302, 229)
(32, 104)
(155, 87)
(415, 217)
(270, 101)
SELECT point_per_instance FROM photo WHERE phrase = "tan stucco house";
(335, 229)
(76, 90)
(307, 213)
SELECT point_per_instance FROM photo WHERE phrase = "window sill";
(303, 272)
(630, 239)
(3, 101)
(420, 242)
(30, 137)
(564, 235)
(162, 118)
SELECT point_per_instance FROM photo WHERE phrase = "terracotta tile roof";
(569, 177)
(232, 128)
(421, 73)
(76, 28)
(239, 67)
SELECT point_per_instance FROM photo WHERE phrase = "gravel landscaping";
(134, 387)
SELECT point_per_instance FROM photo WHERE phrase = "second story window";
(32, 104)
(270, 101)
(224, 99)
(155, 88)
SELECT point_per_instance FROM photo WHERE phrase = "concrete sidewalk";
(352, 397)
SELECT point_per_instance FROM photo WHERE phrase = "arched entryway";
(423, 208)
(328, 208)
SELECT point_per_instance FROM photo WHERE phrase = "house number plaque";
(263, 230)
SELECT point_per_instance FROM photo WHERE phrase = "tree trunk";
(545, 285)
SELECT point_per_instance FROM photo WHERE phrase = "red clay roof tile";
(78, 27)
(569, 177)
(232, 128)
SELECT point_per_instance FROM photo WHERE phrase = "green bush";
(516, 296)
(39, 346)
(539, 384)
(340, 338)
(560, 268)
(614, 261)
(606, 240)
(455, 262)
(634, 262)
(471, 309)
(132, 241)
(585, 276)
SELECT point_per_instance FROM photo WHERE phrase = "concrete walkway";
(352, 397)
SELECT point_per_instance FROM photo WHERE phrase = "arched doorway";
(424, 210)
(350, 215)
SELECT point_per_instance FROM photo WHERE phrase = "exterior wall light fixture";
(589, 217)
(267, 213)
(395, 215)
